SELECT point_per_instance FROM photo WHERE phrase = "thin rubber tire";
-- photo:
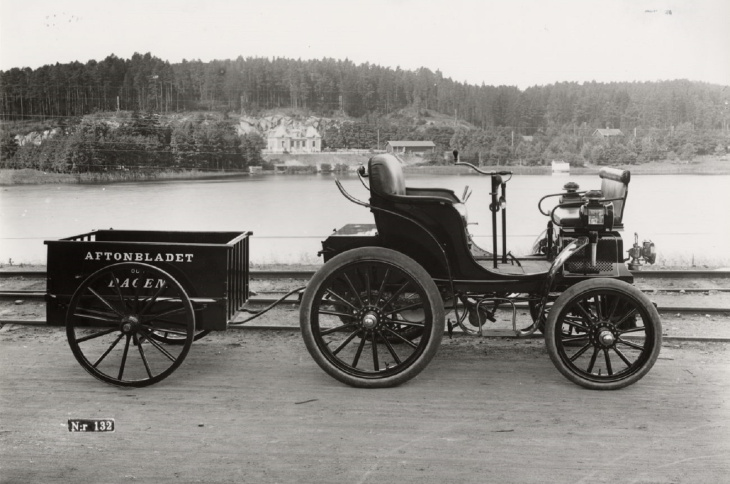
(354, 302)
(616, 334)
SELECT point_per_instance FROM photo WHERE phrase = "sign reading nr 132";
(91, 425)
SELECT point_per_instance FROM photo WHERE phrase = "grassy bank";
(706, 166)
(35, 177)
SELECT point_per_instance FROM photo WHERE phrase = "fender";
(569, 251)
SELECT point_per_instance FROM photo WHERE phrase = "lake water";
(685, 215)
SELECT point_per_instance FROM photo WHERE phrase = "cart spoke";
(630, 344)
(405, 308)
(586, 313)
(622, 356)
(151, 301)
(638, 329)
(138, 342)
(613, 308)
(376, 363)
(354, 291)
(626, 317)
(367, 285)
(338, 328)
(608, 362)
(396, 294)
(580, 352)
(108, 350)
(124, 357)
(382, 285)
(575, 325)
(160, 348)
(340, 298)
(335, 313)
(118, 289)
(95, 335)
(390, 348)
(155, 317)
(406, 323)
(344, 343)
(593, 360)
(96, 315)
(359, 351)
(598, 302)
(573, 339)
(105, 302)
(400, 337)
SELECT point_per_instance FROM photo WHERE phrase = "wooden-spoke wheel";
(130, 324)
(603, 334)
(372, 317)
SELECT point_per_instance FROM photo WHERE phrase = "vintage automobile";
(375, 313)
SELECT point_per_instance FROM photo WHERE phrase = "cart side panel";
(203, 270)
(237, 276)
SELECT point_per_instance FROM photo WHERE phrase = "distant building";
(527, 139)
(560, 166)
(607, 133)
(294, 140)
(410, 147)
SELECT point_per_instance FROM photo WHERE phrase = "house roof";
(608, 132)
(412, 144)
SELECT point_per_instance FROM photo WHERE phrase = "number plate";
(91, 425)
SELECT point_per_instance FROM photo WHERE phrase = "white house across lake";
(285, 139)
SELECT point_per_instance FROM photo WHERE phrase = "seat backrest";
(386, 175)
(615, 184)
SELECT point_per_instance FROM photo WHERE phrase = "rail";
(307, 274)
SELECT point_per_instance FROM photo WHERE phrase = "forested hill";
(328, 87)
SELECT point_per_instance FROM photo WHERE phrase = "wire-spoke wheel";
(130, 324)
(372, 317)
(603, 334)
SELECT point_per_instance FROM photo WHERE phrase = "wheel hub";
(606, 337)
(129, 324)
(603, 335)
(369, 320)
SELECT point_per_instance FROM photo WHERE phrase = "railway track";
(266, 297)
(264, 274)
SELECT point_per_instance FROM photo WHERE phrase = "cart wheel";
(372, 318)
(603, 334)
(116, 318)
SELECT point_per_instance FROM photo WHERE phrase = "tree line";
(121, 114)
(326, 87)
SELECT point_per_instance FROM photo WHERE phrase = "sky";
(494, 42)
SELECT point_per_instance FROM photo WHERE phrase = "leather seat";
(387, 178)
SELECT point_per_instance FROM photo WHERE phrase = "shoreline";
(14, 177)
